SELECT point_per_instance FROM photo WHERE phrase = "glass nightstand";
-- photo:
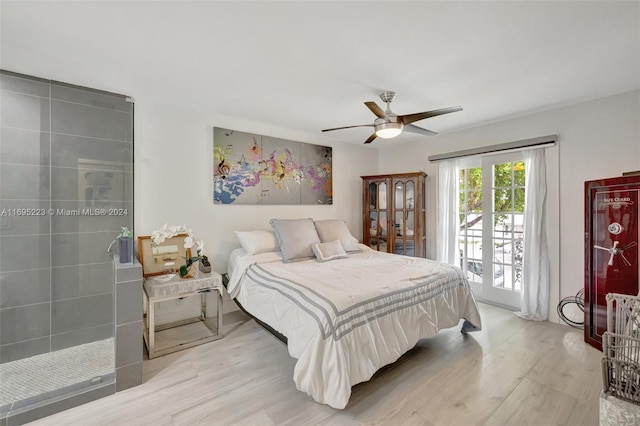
(162, 288)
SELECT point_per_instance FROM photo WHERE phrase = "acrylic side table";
(159, 289)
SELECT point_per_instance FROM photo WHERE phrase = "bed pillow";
(295, 237)
(334, 229)
(329, 251)
(255, 242)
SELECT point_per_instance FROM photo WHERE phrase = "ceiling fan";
(389, 124)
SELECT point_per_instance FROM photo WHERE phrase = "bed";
(347, 317)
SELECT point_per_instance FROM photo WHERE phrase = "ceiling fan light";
(388, 130)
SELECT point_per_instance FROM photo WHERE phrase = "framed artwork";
(255, 169)
(165, 258)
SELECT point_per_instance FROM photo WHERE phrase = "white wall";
(596, 139)
(174, 172)
(174, 179)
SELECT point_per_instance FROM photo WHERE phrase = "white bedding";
(347, 318)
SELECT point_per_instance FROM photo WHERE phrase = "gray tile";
(82, 336)
(20, 350)
(24, 252)
(128, 376)
(76, 216)
(128, 271)
(85, 96)
(80, 249)
(74, 151)
(24, 323)
(18, 146)
(94, 187)
(24, 182)
(44, 410)
(84, 312)
(24, 288)
(129, 344)
(128, 302)
(11, 82)
(69, 282)
(24, 112)
(24, 217)
(80, 120)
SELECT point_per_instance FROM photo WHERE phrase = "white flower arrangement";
(168, 231)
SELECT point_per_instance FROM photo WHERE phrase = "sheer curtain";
(448, 212)
(534, 298)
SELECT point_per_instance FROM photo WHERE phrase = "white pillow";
(329, 251)
(295, 237)
(333, 229)
(255, 242)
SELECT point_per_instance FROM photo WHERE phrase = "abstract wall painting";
(256, 169)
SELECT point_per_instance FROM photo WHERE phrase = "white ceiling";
(306, 66)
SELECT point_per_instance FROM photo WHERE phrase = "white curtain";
(448, 212)
(534, 298)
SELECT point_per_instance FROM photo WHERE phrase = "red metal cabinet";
(612, 209)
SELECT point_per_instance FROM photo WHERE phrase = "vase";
(204, 265)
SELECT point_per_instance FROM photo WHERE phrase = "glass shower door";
(66, 189)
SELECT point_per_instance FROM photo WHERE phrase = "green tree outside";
(506, 199)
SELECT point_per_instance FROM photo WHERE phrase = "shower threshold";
(31, 380)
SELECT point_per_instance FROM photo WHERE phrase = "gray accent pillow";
(334, 229)
(329, 251)
(295, 237)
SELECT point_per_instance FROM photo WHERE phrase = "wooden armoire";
(394, 213)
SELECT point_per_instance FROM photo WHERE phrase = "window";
(492, 198)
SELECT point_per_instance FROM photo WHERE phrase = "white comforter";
(346, 318)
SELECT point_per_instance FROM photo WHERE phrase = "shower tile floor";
(29, 377)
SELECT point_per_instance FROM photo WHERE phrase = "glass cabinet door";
(377, 217)
(404, 217)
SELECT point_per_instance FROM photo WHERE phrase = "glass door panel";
(382, 231)
(502, 278)
(398, 217)
(399, 191)
(373, 196)
(377, 216)
(382, 196)
(57, 299)
(399, 236)
(372, 226)
(470, 243)
(497, 226)
(410, 195)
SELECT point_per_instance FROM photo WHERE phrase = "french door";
(492, 198)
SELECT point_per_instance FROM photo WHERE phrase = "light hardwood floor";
(513, 372)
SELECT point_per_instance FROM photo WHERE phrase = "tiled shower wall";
(66, 188)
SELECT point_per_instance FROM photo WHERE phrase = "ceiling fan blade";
(348, 127)
(410, 118)
(371, 138)
(419, 130)
(379, 112)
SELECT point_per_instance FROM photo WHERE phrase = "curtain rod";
(541, 141)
